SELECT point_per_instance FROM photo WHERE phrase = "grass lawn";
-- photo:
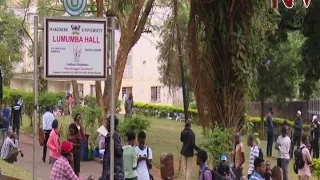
(14, 171)
(164, 136)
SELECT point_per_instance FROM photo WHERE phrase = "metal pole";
(35, 91)
(112, 98)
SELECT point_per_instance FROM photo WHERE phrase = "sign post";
(35, 91)
(75, 49)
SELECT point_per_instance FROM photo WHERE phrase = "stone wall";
(286, 111)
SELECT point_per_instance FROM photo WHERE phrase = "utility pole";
(183, 83)
(100, 14)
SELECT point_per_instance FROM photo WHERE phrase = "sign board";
(75, 49)
(74, 7)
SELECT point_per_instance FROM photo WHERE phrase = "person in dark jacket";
(118, 154)
(315, 136)
(270, 130)
(189, 145)
(297, 133)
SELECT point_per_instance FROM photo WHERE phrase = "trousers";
(46, 137)
(270, 143)
(187, 167)
(284, 167)
(315, 148)
(295, 141)
(16, 129)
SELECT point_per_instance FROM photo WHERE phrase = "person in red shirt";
(62, 168)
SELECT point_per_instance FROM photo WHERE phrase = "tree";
(224, 45)
(173, 51)
(11, 41)
(132, 17)
(310, 53)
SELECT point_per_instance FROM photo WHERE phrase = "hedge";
(50, 99)
(163, 111)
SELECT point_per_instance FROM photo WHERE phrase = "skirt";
(76, 160)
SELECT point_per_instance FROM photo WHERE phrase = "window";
(155, 94)
(125, 92)
(128, 68)
(92, 90)
(80, 88)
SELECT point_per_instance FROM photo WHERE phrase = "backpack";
(215, 175)
(298, 160)
(260, 153)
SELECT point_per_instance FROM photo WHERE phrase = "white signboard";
(75, 49)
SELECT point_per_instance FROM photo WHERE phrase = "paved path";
(43, 169)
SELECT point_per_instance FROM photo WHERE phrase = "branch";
(24, 20)
(142, 21)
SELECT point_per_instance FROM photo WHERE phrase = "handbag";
(151, 177)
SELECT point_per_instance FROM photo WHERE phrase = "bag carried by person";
(215, 175)
(260, 152)
(148, 164)
(298, 160)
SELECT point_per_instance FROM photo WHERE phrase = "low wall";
(286, 111)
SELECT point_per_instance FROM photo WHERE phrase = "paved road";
(43, 169)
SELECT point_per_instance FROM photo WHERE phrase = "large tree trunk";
(98, 83)
(43, 84)
(130, 34)
(75, 93)
(219, 74)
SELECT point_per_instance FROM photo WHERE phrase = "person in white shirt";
(144, 155)
(254, 153)
(283, 145)
(47, 120)
(10, 150)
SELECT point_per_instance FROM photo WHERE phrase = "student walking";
(6, 114)
(205, 173)
(128, 105)
(239, 156)
(145, 157)
(16, 118)
(54, 143)
(254, 153)
(315, 136)
(189, 145)
(130, 157)
(270, 130)
(47, 120)
(283, 145)
(297, 133)
(305, 172)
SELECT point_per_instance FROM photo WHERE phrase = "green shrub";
(134, 124)
(91, 101)
(316, 168)
(218, 142)
(162, 111)
(49, 99)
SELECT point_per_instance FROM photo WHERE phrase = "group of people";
(258, 168)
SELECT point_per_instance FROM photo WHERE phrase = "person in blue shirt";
(270, 130)
(6, 114)
(259, 169)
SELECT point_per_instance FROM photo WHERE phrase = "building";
(141, 76)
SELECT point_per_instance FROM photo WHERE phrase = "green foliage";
(11, 41)
(49, 99)
(90, 120)
(316, 167)
(162, 111)
(91, 101)
(134, 124)
(213, 142)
